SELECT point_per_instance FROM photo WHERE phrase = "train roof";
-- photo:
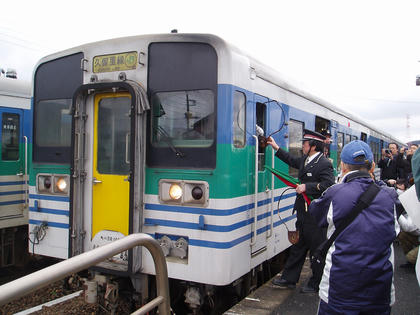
(227, 50)
(15, 87)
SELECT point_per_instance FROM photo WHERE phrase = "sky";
(362, 56)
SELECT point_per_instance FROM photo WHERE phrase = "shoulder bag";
(318, 257)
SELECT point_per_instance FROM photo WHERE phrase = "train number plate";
(115, 62)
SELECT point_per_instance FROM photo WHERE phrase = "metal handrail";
(26, 171)
(254, 232)
(34, 281)
(271, 197)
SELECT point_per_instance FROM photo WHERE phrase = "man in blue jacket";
(358, 272)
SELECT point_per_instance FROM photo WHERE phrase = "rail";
(254, 232)
(34, 281)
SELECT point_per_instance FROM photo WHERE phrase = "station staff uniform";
(317, 174)
(358, 273)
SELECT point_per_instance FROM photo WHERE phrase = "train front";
(125, 138)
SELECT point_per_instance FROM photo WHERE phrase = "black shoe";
(283, 284)
(308, 289)
(407, 265)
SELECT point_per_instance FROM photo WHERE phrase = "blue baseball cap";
(355, 149)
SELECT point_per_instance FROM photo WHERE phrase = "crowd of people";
(396, 171)
(351, 223)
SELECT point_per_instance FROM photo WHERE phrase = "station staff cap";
(354, 149)
(312, 135)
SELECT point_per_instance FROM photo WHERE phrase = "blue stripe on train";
(13, 202)
(16, 192)
(51, 224)
(12, 183)
(213, 227)
(230, 244)
(207, 211)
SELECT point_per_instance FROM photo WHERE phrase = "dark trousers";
(310, 238)
(327, 309)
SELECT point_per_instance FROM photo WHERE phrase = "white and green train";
(157, 134)
(15, 118)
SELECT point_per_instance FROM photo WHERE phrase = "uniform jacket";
(359, 264)
(317, 175)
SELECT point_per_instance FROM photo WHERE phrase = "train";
(158, 134)
(16, 121)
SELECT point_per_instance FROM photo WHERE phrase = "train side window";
(10, 137)
(340, 145)
(239, 118)
(295, 142)
(353, 138)
(363, 137)
(261, 122)
(348, 139)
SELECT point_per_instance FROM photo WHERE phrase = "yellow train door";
(111, 165)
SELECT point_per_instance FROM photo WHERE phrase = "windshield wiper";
(167, 138)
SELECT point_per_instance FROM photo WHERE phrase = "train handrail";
(25, 138)
(254, 233)
(39, 279)
(270, 231)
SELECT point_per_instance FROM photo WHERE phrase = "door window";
(114, 135)
(239, 114)
(10, 137)
(295, 142)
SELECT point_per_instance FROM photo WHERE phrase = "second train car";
(157, 134)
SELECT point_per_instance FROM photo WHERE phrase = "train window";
(348, 139)
(353, 138)
(55, 82)
(10, 137)
(53, 123)
(295, 142)
(183, 119)
(340, 145)
(113, 135)
(363, 137)
(239, 116)
(182, 86)
(374, 146)
(261, 122)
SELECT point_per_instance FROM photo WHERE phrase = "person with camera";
(392, 164)
(408, 170)
(358, 273)
(315, 174)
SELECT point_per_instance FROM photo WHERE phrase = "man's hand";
(273, 143)
(300, 188)
(392, 182)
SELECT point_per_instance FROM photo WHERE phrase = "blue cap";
(354, 149)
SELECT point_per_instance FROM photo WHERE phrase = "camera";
(387, 151)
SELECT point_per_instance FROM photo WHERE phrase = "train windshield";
(183, 118)
(53, 124)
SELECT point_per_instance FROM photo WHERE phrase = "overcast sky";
(363, 56)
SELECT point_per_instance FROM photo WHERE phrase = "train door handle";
(96, 181)
(19, 174)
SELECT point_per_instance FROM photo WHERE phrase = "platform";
(269, 299)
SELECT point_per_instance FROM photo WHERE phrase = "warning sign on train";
(115, 62)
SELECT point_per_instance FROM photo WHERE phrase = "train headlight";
(61, 184)
(44, 183)
(53, 184)
(175, 192)
(197, 192)
(184, 192)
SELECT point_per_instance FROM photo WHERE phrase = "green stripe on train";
(13, 166)
(232, 177)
